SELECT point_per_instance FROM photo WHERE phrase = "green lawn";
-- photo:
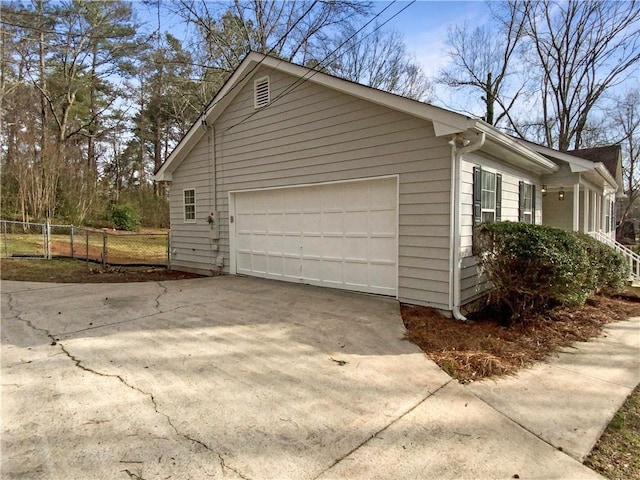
(121, 247)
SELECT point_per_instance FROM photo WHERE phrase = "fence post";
(72, 255)
(87, 244)
(6, 240)
(104, 249)
(47, 240)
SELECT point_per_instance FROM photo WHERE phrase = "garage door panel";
(332, 197)
(311, 269)
(379, 222)
(333, 222)
(291, 245)
(332, 271)
(357, 195)
(381, 249)
(384, 199)
(275, 222)
(332, 247)
(355, 248)
(244, 262)
(292, 267)
(378, 274)
(275, 266)
(341, 235)
(293, 222)
(355, 274)
(274, 244)
(311, 222)
(356, 222)
(244, 242)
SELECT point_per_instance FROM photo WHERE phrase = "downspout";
(457, 153)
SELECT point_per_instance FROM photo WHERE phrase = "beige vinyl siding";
(191, 243)
(472, 284)
(314, 134)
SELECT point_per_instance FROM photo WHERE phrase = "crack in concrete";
(375, 434)
(224, 466)
(18, 316)
(163, 292)
(78, 363)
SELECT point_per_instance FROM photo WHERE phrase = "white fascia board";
(604, 173)
(511, 144)
(576, 164)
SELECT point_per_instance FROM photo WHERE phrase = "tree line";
(94, 99)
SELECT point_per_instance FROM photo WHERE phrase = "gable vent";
(261, 97)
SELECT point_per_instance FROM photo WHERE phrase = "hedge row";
(534, 267)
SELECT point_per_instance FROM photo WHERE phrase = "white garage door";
(341, 235)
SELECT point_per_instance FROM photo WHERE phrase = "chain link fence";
(44, 240)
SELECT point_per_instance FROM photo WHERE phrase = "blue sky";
(424, 25)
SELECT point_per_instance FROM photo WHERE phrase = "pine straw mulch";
(483, 348)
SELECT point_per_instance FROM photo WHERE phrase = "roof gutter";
(458, 149)
(522, 150)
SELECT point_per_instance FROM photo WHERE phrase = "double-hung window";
(527, 205)
(487, 196)
(189, 204)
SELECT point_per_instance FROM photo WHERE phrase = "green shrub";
(610, 270)
(125, 217)
(533, 268)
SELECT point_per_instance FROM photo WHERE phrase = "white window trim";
(493, 210)
(528, 186)
(184, 206)
(256, 104)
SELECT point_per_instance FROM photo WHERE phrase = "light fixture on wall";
(561, 194)
(543, 190)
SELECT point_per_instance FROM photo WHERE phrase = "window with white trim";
(527, 204)
(487, 196)
(189, 204)
(261, 92)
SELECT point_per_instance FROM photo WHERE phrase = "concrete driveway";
(236, 377)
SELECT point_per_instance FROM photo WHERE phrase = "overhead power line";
(324, 62)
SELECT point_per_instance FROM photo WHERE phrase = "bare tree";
(625, 123)
(581, 49)
(483, 60)
(298, 30)
(378, 58)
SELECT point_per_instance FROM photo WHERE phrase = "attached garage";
(341, 234)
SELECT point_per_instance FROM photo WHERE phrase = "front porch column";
(585, 213)
(576, 207)
(594, 210)
(603, 215)
(598, 213)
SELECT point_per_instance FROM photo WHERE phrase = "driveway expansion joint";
(524, 427)
(375, 434)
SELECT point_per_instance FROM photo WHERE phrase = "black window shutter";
(533, 204)
(498, 197)
(521, 202)
(477, 196)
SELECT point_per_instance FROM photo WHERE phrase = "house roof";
(609, 155)
(445, 122)
(578, 164)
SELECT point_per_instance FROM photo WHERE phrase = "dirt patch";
(483, 348)
(76, 271)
